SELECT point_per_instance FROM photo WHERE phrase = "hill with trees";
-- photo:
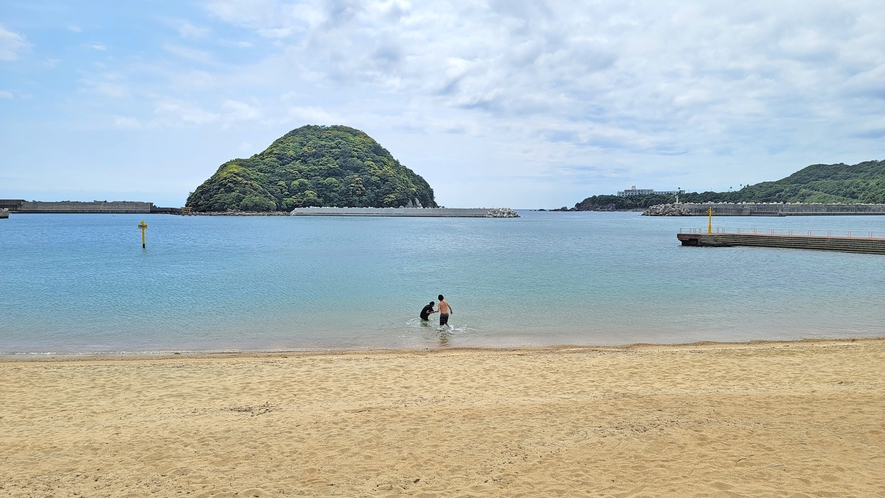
(819, 183)
(327, 166)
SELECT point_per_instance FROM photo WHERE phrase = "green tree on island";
(334, 166)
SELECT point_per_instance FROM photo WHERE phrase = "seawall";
(103, 207)
(85, 207)
(409, 212)
(764, 209)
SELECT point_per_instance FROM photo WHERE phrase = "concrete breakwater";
(409, 212)
(238, 213)
(104, 207)
(763, 209)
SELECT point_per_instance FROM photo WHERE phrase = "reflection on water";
(443, 337)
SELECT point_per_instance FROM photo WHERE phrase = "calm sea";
(83, 283)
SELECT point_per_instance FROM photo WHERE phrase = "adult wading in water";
(445, 309)
(427, 311)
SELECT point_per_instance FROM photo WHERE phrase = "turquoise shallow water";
(83, 284)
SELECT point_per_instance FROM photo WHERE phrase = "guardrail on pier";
(851, 234)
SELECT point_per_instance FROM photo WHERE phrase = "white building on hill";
(646, 191)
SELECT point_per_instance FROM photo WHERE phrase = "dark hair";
(440, 297)
(431, 303)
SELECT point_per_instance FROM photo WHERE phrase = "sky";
(500, 103)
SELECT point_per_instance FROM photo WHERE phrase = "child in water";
(445, 309)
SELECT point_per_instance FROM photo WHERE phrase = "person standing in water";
(427, 311)
(445, 309)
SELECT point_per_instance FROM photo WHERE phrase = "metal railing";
(851, 234)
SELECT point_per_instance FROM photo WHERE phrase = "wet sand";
(790, 419)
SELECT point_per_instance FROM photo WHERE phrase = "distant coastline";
(671, 209)
(139, 207)
(764, 209)
(818, 184)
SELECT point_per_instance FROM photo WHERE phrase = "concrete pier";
(866, 245)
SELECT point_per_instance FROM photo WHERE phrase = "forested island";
(322, 166)
(819, 183)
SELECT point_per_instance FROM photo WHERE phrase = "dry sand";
(763, 419)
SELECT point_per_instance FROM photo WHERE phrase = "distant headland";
(828, 184)
(763, 209)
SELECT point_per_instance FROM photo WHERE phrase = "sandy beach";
(789, 419)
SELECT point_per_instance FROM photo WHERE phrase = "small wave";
(461, 329)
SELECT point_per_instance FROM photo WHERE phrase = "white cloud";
(189, 53)
(240, 111)
(99, 47)
(51, 62)
(660, 71)
(276, 32)
(5, 94)
(182, 114)
(238, 44)
(312, 115)
(110, 89)
(75, 29)
(194, 81)
(125, 123)
(11, 44)
(188, 30)
(110, 85)
(254, 14)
